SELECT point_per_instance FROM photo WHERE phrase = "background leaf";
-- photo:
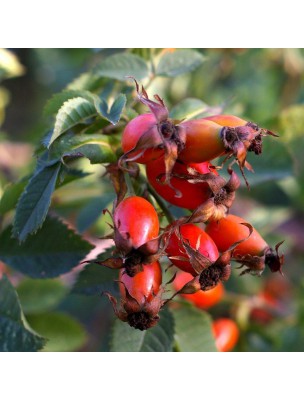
(10, 66)
(40, 295)
(193, 329)
(121, 65)
(158, 338)
(95, 279)
(53, 250)
(92, 211)
(188, 108)
(116, 109)
(57, 100)
(63, 332)
(179, 62)
(11, 194)
(72, 112)
(35, 201)
(13, 334)
(95, 147)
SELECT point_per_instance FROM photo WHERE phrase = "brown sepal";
(118, 181)
(151, 139)
(273, 260)
(159, 109)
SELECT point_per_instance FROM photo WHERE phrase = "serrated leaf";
(40, 295)
(95, 279)
(188, 108)
(57, 100)
(63, 332)
(179, 62)
(86, 81)
(159, 338)
(193, 329)
(121, 65)
(53, 250)
(13, 334)
(68, 175)
(115, 111)
(10, 197)
(71, 113)
(95, 147)
(35, 201)
(92, 211)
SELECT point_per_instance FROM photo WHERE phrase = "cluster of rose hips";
(177, 157)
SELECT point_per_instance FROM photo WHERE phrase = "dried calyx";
(117, 178)
(242, 139)
(167, 136)
(140, 316)
(256, 264)
(221, 197)
(129, 258)
(207, 273)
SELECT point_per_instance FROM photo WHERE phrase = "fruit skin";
(254, 252)
(144, 285)
(191, 195)
(200, 299)
(203, 141)
(227, 120)
(229, 230)
(136, 220)
(134, 130)
(226, 334)
(198, 239)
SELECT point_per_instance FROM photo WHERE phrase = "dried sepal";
(140, 316)
(111, 262)
(159, 109)
(255, 265)
(202, 213)
(242, 139)
(151, 139)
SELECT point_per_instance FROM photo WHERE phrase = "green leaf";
(92, 211)
(40, 295)
(11, 195)
(35, 201)
(188, 108)
(179, 62)
(121, 65)
(292, 126)
(53, 250)
(68, 175)
(95, 147)
(116, 109)
(193, 329)
(13, 334)
(86, 81)
(72, 112)
(63, 332)
(159, 338)
(95, 279)
(57, 100)
(274, 164)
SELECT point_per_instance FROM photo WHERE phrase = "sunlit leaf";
(179, 62)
